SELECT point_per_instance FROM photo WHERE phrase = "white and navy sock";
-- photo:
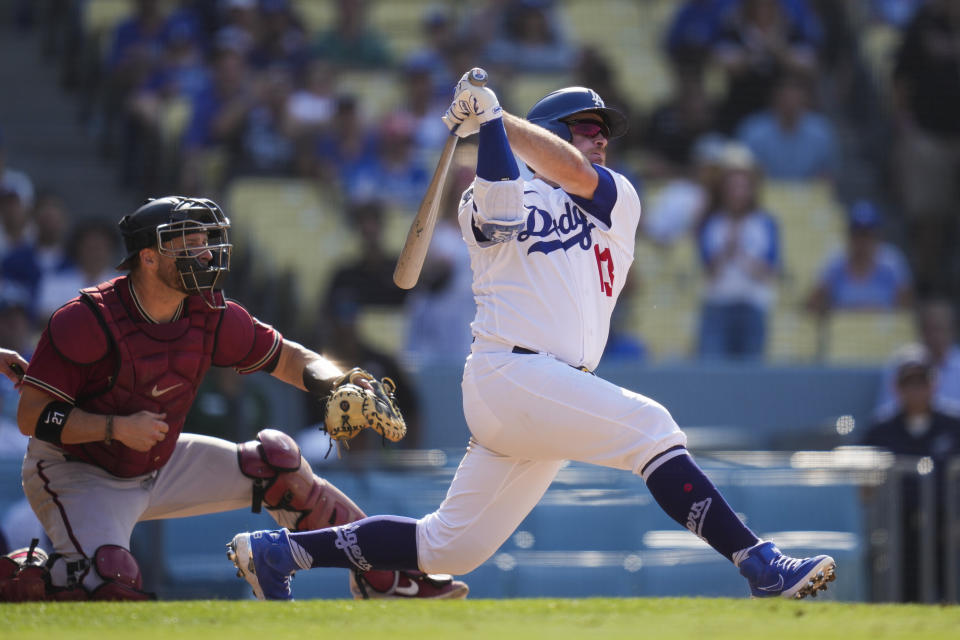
(685, 493)
(378, 542)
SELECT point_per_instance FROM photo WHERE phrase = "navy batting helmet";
(161, 220)
(555, 108)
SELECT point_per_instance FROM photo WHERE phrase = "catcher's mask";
(158, 222)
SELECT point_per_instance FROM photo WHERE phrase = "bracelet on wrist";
(108, 433)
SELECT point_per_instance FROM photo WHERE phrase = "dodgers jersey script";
(553, 288)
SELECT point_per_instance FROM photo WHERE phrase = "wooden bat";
(410, 262)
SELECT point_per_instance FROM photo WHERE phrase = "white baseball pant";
(528, 413)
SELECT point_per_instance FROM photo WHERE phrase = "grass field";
(646, 618)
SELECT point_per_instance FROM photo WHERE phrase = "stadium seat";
(99, 18)
(297, 227)
(626, 36)
(316, 16)
(665, 310)
(792, 337)
(811, 227)
(377, 92)
(866, 337)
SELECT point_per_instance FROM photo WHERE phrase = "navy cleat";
(770, 573)
(264, 559)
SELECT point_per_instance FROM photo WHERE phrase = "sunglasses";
(588, 128)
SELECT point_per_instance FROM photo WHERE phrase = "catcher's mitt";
(352, 408)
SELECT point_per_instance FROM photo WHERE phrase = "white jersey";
(553, 288)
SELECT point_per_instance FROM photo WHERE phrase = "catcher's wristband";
(51, 422)
(317, 386)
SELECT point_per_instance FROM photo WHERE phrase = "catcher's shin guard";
(120, 573)
(283, 480)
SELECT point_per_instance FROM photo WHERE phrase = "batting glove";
(471, 107)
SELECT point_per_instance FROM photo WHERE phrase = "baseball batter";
(549, 259)
(104, 401)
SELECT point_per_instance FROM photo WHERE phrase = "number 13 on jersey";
(605, 269)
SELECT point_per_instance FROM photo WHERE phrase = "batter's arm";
(551, 156)
(139, 431)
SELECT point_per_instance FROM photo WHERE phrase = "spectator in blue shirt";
(789, 140)
(694, 29)
(45, 252)
(867, 274)
(740, 250)
(217, 116)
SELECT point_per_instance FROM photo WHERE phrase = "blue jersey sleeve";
(604, 197)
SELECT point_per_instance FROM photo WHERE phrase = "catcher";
(104, 400)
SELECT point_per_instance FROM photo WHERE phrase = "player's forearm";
(298, 365)
(79, 426)
(550, 156)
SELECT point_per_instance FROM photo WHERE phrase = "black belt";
(532, 352)
(524, 350)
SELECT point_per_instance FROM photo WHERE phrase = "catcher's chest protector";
(160, 367)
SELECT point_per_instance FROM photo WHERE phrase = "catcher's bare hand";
(359, 401)
(140, 431)
(12, 365)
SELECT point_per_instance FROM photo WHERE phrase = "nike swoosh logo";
(777, 586)
(409, 591)
(156, 393)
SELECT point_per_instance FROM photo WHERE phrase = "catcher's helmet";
(160, 220)
(551, 111)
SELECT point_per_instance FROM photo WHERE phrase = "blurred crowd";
(188, 96)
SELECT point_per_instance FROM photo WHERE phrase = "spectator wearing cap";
(919, 429)
(867, 274)
(681, 206)
(936, 327)
(790, 140)
(740, 249)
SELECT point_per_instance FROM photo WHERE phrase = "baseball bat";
(414, 251)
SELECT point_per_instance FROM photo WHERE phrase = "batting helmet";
(161, 220)
(551, 111)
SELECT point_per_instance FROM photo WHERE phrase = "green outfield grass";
(642, 618)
